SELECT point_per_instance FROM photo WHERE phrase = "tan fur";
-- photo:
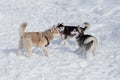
(37, 39)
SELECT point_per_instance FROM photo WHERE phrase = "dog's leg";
(85, 53)
(89, 53)
(93, 52)
(63, 42)
(94, 48)
(29, 50)
(45, 51)
(20, 47)
(28, 45)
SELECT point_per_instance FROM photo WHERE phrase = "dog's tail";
(86, 25)
(22, 29)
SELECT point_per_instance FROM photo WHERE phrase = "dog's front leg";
(63, 42)
(64, 37)
(29, 54)
(45, 51)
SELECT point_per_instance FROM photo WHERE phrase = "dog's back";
(66, 30)
(81, 39)
(69, 29)
(88, 43)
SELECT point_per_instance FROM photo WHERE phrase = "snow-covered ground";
(63, 63)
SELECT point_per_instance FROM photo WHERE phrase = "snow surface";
(63, 63)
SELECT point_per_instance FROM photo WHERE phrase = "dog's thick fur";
(66, 30)
(87, 43)
(37, 39)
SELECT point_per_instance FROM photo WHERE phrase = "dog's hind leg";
(92, 49)
(28, 46)
(20, 47)
(93, 52)
(95, 44)
(85, 53)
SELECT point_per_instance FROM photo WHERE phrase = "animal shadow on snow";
(24, 52)
(8, 51)
(64, 49)
(56, 41)
(79, 53)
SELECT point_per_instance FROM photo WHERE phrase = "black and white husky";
(87, 43)
(66, 31)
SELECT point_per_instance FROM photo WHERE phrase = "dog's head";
(76, 31)
(55, 31)
(60, 27)
(81, 30)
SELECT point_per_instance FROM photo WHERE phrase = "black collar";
(47, 41)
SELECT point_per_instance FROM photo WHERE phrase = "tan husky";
(37, 39)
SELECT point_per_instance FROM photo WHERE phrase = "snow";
(63, 62)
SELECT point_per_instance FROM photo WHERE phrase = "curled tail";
(86, 26)
(22, 29)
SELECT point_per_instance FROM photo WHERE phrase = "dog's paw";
(62, 43)
(28, 56)
(18, 54)
(46, 54)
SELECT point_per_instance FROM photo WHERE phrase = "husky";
(66, 31)
(36, 39)
(87, 43)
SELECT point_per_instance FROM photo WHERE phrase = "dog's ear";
(62, 23)
(58, 24)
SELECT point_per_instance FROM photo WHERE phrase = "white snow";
(63, 62)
